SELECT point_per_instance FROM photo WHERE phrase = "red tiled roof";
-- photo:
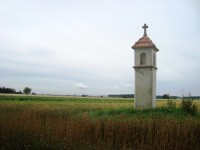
(144, 42)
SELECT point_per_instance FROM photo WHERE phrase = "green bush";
(188, 106)
(171, 104)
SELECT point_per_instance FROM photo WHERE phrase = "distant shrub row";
(26, 90)
(9, 90)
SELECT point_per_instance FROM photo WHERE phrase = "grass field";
(44, 122)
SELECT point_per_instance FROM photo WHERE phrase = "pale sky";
(84, 47)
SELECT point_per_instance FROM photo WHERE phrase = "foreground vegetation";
(35, 122)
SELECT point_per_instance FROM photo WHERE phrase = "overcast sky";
(84, 46)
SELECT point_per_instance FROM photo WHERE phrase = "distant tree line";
(9, 90)
(26, 90)
(167, 96)
(122, 95)
(191, 97)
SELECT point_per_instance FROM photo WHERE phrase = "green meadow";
(60, 122)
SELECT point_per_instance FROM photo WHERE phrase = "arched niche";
(142, 59)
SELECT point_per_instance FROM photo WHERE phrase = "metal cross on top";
(145, 28)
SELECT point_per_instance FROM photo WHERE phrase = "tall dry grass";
(54, 126)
